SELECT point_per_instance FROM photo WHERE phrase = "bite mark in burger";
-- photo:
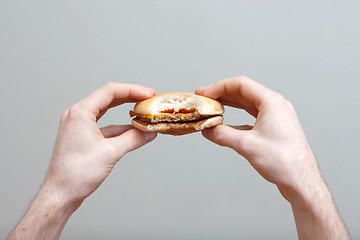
(177, 113)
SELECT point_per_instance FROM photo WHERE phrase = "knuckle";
(274, 98)
(242, 78)
(244, 141)
(247, 144)
(279, 102)
(282, 102)
(217, 136)
(75, 112)
(113, 151)
(222, 81)
(110, 85)
(64, 116)
(289, 104)
(280, 98)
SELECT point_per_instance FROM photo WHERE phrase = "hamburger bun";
(177, 113)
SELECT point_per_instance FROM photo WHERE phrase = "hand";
(277, 148)
(276, 145)
(84, 155)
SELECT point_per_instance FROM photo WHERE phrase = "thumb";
(238, 138)
(131, 140)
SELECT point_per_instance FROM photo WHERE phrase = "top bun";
(176, 101)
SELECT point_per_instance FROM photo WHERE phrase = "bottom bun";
(178, 128)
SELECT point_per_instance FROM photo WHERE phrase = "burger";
(177, 113)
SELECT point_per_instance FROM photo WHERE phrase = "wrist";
(62, 200)
(46, 216)
(302, 177)
(313, 206)
(302, 191)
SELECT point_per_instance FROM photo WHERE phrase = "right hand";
(276, 145)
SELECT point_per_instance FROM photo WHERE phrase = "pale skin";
(275, 146)
(83, 157)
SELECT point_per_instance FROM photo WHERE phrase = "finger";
(242, 127)
(242, 89)
(114, 130)
(251, 110)
(114, 103)
(227, 97)
(238, 138)
(131, 140)
(114, 94)
(233, 100)
(201, 90)
(237, 98)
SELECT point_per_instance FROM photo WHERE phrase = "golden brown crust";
(179, 101)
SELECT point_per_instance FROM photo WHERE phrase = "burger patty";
(171, 117)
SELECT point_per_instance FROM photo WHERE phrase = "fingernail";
(153, 92)
(149, 91)
(205, 132)
(207, 87)
(149, 136)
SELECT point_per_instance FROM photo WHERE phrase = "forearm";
(46, 216)
(314, 209)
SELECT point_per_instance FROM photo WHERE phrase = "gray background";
(54, 53)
